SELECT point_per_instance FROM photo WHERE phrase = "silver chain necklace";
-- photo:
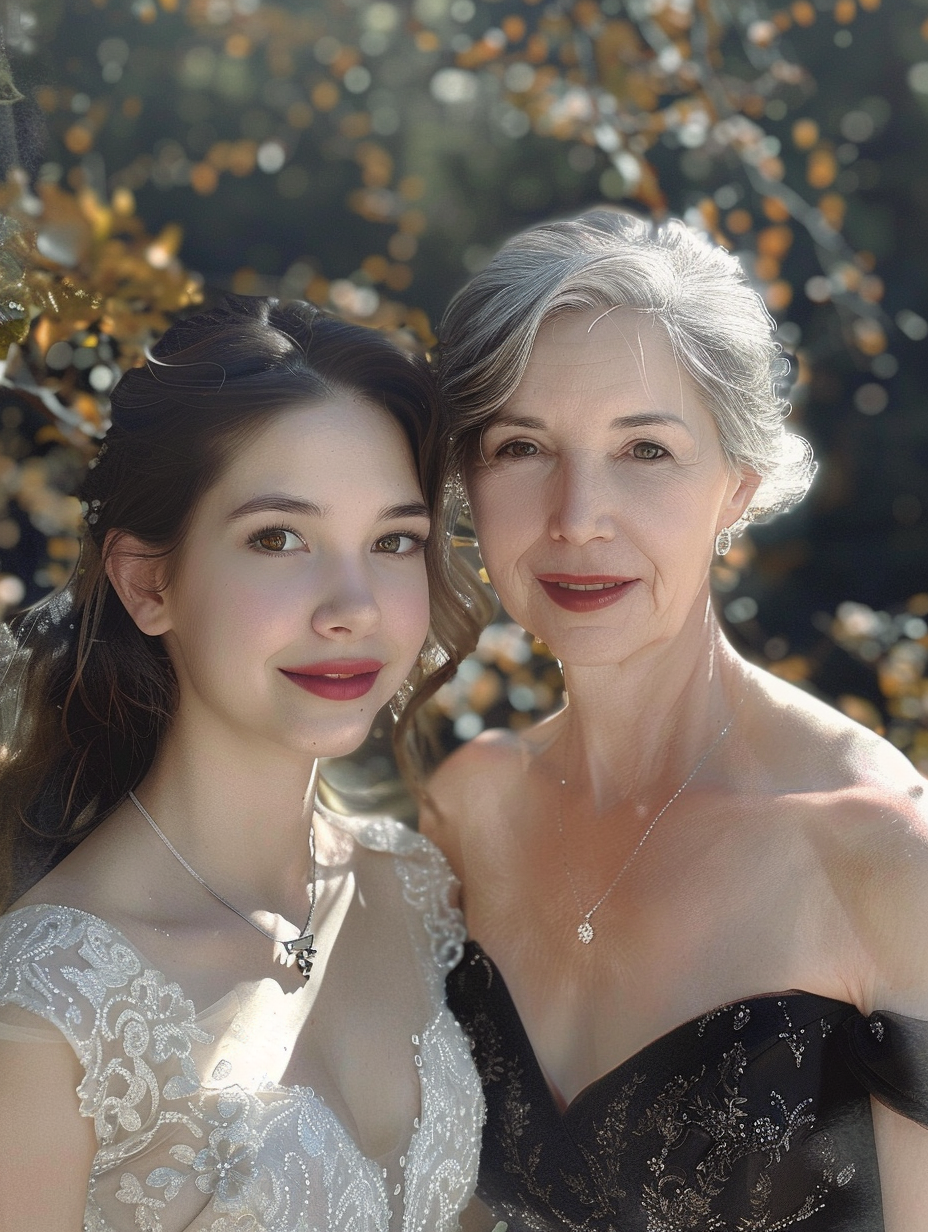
(301, 946)
(585, 927)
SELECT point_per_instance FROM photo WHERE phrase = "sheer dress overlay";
(224, 1119)
(754, 1118)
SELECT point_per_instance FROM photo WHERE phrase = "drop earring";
(457, 491)
(723, 541)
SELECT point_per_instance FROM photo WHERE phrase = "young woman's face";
(300, 601)
(604, 471)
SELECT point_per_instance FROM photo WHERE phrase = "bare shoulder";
(470, 788)
(488, 760)
(875, 840)
(864, 809)
(810, 744)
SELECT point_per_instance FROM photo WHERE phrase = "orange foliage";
(775, 210)
(833, 208)
(514, 28)
(774, 241)
(805, 134)
(821, 168)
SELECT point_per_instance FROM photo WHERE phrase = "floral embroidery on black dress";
(754, 1118)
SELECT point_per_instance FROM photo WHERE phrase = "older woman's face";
(601, 489)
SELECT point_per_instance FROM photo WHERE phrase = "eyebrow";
(647, 419)
(280, 502)
(416, 509)
(518, 421)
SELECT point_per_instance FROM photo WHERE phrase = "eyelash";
(663, 453)
(265, 533)
(504, 451)
(418, 541)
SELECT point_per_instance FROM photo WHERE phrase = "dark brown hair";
(88, 696)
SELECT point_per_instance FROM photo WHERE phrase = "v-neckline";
(569, 1110)
(299, 1091)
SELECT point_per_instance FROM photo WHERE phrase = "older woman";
(698, 897)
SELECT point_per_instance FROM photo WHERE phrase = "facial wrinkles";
(652, 520)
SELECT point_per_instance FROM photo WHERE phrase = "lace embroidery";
(703, 1146)
(676, 1199)
(427, 885)
(273, 1159)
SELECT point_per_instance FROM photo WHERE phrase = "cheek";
(238, 615)
(678, 508)
(506, 512)
(404, 600)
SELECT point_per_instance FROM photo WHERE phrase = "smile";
(337, 682)
(584, 594)
(594, 586)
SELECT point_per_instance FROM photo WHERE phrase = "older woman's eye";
(647, 451)
(517, 449)
(276, 539)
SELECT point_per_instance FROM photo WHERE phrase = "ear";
(742, 493)
(138, 579)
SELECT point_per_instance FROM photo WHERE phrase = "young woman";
(698, 897)
(222, 1009)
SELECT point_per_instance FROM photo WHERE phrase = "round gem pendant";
(585, 932)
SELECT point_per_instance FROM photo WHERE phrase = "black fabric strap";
(888, 1054)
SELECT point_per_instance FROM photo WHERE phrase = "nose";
(582, 501)
(348, 608)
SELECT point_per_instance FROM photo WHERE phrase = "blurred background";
(371, 154)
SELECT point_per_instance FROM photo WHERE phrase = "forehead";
(320, 446)
(602, 355)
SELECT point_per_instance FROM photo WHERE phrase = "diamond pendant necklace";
(302, 946)
(585, 927)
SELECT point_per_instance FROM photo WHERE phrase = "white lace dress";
(192, 1132)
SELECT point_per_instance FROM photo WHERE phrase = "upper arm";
(46, 1146)
(902, 1153)
(890, 906)
(889, 863)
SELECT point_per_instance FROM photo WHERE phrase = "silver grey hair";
(718, 327)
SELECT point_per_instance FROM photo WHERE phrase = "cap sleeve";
(19, 1026)
(429, 885)
(888, 1054)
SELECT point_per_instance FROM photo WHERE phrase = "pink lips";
(584, 593)
(339, 680)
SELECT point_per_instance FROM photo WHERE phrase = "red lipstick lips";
(341, 680)
(582, 593)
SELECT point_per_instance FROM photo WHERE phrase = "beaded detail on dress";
(753, 1118)
(177, 1147)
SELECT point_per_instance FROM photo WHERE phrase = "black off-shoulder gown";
(754, 1118)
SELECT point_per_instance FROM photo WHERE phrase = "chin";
(596, 647)
(342, 741)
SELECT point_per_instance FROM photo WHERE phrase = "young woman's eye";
(398, 544)
(276, 540)
(517, 449)
(647, 451)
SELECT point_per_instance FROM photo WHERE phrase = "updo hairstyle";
(717, 326)
(88, 696)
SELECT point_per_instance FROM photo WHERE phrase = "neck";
(635, 730)
(239, 816)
